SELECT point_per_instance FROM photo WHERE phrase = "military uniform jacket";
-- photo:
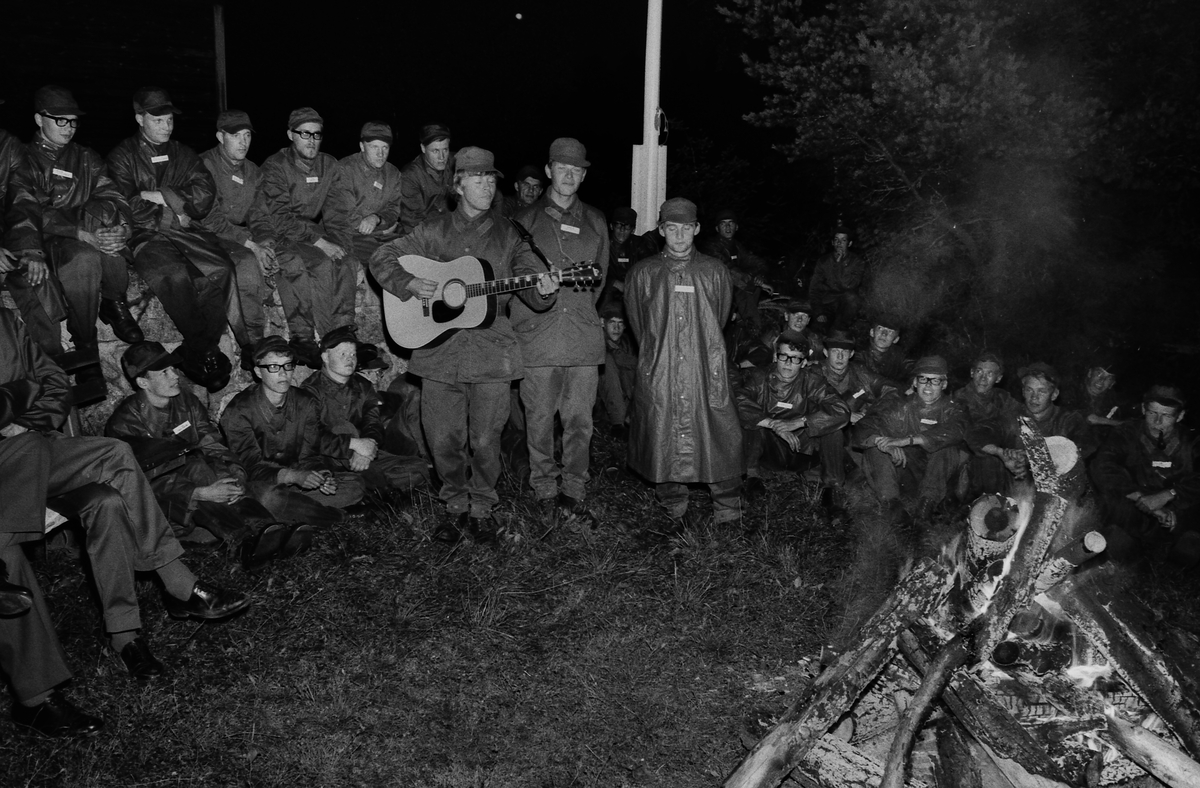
(1130, 460)
(57, 191)
(268, 439)
(859, 387)
(942, 424)
(834, 277)
(685, 425)
(348, 410)
(10, 160)
(138, 165)
(984, 413)
(1006, 432)
(292, 197)
(891, 364)
(358, 191)
(425, 192)
(764, 395)
(743, 263)
(563, 330)
(237, 185)
(477, 355)
(185, 419)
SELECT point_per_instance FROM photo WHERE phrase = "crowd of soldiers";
(682, 350)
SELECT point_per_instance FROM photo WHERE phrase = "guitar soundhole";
(454, 294)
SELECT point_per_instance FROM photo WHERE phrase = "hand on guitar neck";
(547, 286)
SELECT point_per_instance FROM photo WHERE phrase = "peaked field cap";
(1171, 396)
(1039, 369)
(839, 339)
(988, 356)
(432, 132)
(568, 150)
(793, 338)
(625, 215)
(304, 115)
(529, 171)
(725, 214)
(795, 306)
(679, 210)
(272, 344)
(154, 101)
(613, 309)
(142, 357)
(347, 333)
(375, 130)
(932, 365)
(233, 120)
(476, 160)
(890, 320)
(55, 100)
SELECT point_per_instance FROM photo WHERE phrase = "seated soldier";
(916, 438)
(787, 414)
(836, 282)
(1097, 398)
(615, 397)
(1000, 438)
(746, 269)
(1148, 476)
(859, 387)
(203, 492)
(797, 314)
(364, 200)
(98, 482)
(882, 355)
(985, 405)
(755, 350)
(349, 409)
(275, 429)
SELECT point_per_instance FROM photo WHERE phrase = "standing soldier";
(561, 338)
(836, 282)
(685, 425)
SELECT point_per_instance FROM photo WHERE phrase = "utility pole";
(219, 46)
(650, 158)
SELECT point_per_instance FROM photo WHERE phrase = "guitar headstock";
(581, 276)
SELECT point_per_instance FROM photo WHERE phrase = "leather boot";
(117, 315)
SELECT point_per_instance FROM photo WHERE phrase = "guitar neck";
(497, 286)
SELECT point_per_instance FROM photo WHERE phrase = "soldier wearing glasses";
(787, 414)
(916, 440)
(275, 429)
(316, 280)
(68, 224)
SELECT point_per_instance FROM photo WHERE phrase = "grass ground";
(578, 657)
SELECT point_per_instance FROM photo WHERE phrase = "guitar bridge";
(425, 307)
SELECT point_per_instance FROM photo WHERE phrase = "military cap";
(612, 309)
(55, 100)
(679, 210)
(988, 356)
(726, 214)
(839, 339)
(476, 160)
(529, 171)
(796, 305)
(1171, 396)
(887, 320)
(232, 121)
(432, 132)
(154, 101)
(272, 344)
(142, 357)
(375, 130)
(347, 333)
(932, 365)
(1039, 369)
(568, 150)
(304, 115)
(625, 216)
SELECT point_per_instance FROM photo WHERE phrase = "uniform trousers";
(246, 315)
(290, 504)
(191, 275)
(463, 422)
(569, 393)
(316, 291)
(30, 654)
(765, 449)
(726, 499)
(98, 481)
(931, 472)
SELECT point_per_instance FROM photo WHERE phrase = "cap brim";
(61, 111)
(172, 359)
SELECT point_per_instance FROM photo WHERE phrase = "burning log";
(832, 763)
(956, 766)
(839, 686)
(1153, 754)
(1117, 627)
(1066, 560)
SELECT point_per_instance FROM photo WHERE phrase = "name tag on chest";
(784, 405)
(238, 179)
(566, 228)
(622, 259)
(159, 159)
(181, 428)
(859, 393)
(1112, 412)
(685, 289)
(1161, 463)
(312, 179)
(62, 173)
(929, 421)
(378, 185)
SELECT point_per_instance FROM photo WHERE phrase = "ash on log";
(837, 689)
(1156, 756)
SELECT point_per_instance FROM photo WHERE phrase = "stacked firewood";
(1011, 662)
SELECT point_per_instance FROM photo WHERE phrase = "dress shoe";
(117, 315)
(140, 663)
(246, 352)
(90, 386)
(257, 550)
(207, 368)
(753, 488)
(483, 530)
(206, 602)
(369, 357)
(15, 600)
(307, 352)
(56, 716)
(299, 540)
(453, 528)
(570, 508)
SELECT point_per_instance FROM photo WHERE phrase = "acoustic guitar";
(466, 297)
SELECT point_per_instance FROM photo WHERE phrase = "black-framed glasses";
(60, 121)
(784, 358)
(275, 368)
(926, 380)
(310, 135)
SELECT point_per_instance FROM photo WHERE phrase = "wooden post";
(1153, 754)
(219, 47)
(837, 688)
